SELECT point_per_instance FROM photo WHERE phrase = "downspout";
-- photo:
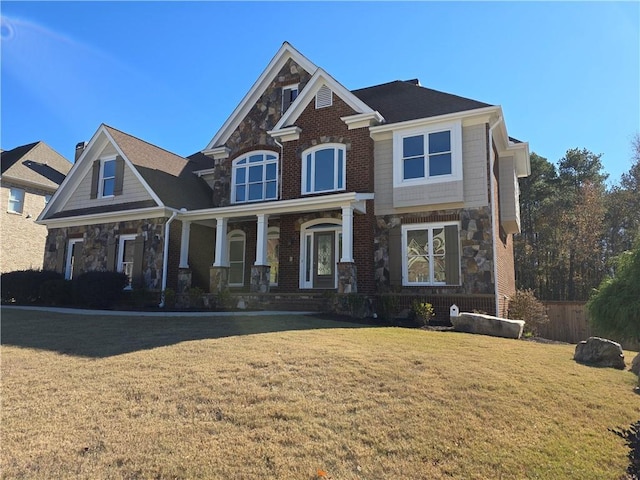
(279, 169)
(493, 215)
(165, 257)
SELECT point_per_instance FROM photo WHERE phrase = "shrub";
(57, 292)
(389, 306)
(422, 312)
(23, 286)
(525, 306)
(99, 289)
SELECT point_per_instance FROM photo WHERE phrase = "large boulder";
(487, 325)
(600, 352)
(635, 365)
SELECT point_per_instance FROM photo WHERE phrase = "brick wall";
(22, 240)
(506, 282)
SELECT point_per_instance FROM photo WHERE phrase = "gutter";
(165, 257)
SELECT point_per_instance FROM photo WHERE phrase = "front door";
(324, 260)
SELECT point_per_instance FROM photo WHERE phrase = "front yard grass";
(266, 397)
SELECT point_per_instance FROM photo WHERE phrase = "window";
(323, 169)
(255, 178)
(16, 200)
(107, 178)
(273, 253)
(126, 249)
(427, 155)
(74, 252)
(430, 254)
(289, 94)
(236, 240)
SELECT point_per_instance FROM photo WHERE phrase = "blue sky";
(566, 74)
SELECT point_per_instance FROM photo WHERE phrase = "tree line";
(574, 225)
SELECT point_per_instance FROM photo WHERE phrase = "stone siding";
(476, 254)
(95, 247)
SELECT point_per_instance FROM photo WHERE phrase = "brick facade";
(21, 238)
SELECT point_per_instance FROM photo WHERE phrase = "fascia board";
(297, 205)
(119, 216)
(73, 178)
(134, 170)
(483, 114)
(285, 53)
(28, 183)
(319, 78)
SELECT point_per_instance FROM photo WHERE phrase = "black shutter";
(138, 256)
(395, 256)
(111, 254)
(78, 259)
(452, 254)
(95, 177)
(117, 190)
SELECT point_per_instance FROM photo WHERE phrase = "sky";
(567, 75)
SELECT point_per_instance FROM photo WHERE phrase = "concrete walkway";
(123, 313)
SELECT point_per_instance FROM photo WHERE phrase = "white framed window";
(107, 181)
(236, 247)
(428, 154)
(431, 254)
(16, 200)
(255, 177)
(324, 168)
(273, 254)
(126, 249)
(73, 251)
(289, 94)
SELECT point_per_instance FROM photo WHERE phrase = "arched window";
(255, 177)
(324, 168)
(236, 239)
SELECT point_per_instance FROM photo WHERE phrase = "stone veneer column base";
(218, 279)
(260, 278)
(184, 279)
(347, 277)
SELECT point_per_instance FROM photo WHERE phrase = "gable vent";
(324, 97)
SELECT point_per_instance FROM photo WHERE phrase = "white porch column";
(261, 240)
(221, 243)
(184, 244)
(347, 234)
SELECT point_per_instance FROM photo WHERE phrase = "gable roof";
(170, 176)
(35, 163)
(281, 57)
(320, 78)
(400, 101)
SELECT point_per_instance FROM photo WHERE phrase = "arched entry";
(320, 250)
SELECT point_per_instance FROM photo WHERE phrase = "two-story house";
(30, 175)
(307, 187)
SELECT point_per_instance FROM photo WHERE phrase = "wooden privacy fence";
(569, 322)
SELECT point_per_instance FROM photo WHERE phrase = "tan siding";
(383, 175)
(133, 191)
(433, 194)
(474, 161)
(509, 196)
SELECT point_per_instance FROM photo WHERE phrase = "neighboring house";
(308, 187)
(30, 176)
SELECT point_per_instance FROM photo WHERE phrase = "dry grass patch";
(183, 398)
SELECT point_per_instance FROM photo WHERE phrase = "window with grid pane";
(255, 178)
(431, 254)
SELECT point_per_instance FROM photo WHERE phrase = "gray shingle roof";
(169, 175)
(37, 163)
(400, 101)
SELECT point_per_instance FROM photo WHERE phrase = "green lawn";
(100, 397)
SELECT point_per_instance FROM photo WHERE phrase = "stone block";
(488, 325)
